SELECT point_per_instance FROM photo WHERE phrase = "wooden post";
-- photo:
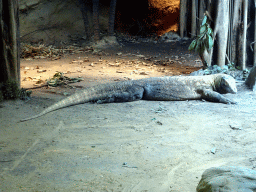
(230, 31)
(96, 20)
(112, 12)
(84, 10)
(193, 19)
(183, 11)
(13, 41)
(245, 7)
(202, 9)
(254, 62)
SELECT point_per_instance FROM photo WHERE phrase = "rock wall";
(60, 21)
(54, 21)
(166, 15)
(148, 16)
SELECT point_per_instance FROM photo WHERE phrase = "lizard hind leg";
(131, 93)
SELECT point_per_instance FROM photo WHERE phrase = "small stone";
(213, 150)
(235, 126)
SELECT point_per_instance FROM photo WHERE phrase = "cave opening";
(148, 17)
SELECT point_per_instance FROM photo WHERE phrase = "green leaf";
(210, 42)
(204, 20)
(210, 32)
(206, 42)
(203, 47)
(192, 45)
(203, 29)
(198, 46)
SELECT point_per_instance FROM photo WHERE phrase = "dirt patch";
(135, 146)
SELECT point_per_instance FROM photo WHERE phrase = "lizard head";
(226, 84)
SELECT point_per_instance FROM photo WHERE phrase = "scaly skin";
(173, 88)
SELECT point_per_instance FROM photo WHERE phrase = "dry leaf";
(144, 73)
(41, 71)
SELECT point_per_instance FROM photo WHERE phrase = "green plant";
(231, 66)
(204, 40)
(60, 79)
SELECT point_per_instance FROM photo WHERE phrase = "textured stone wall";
(54, 21)
(60, 21)
(166, 15)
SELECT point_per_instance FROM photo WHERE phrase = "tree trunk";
(241, 37)
(17, 43)
(245, 8)
(112, 12)
(202, 9)
(236, 52)
(9, 43)
(193, 19)
(254, 62)
(221, 31)
(219, 13)
(96, 20)
(84, 10)
(229, 32)
(183, 20)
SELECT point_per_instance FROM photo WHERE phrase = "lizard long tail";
(84, 96)
(89, 94)
(75, 99)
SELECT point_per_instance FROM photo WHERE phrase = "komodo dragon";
(173, 88)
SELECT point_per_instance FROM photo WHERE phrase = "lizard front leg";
(214, 96)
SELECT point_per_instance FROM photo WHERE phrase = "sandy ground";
(137, 146)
